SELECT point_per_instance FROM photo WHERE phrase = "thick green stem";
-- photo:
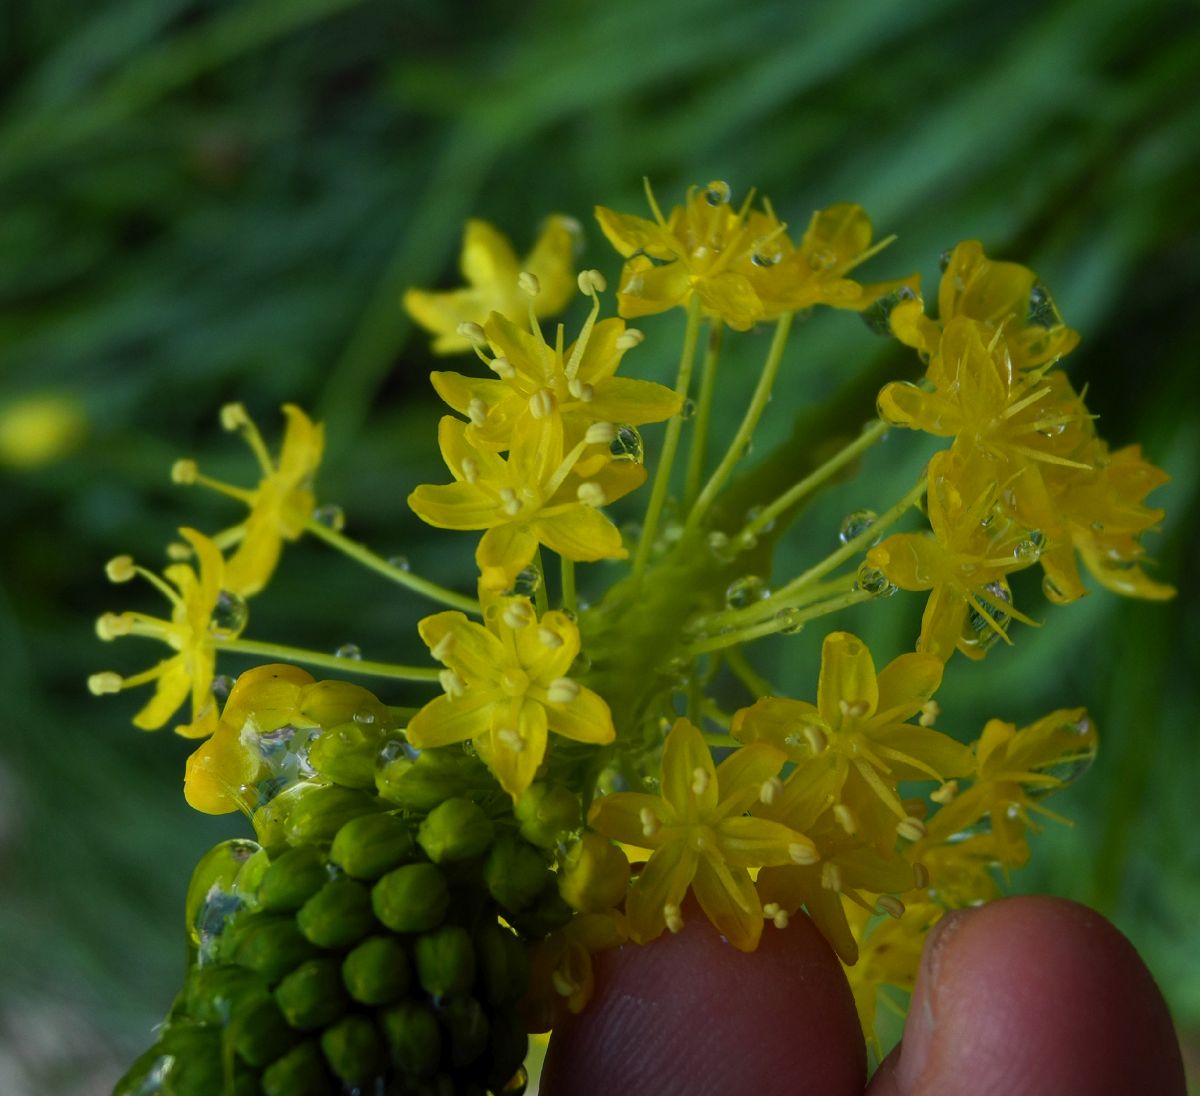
(791, 622)
(708, 385)
(361, 554)
(745, 432)
(662, 478)
(281, 653)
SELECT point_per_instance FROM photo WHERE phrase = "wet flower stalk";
(590, 744)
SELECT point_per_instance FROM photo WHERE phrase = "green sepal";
(338, 915)
(413, 1037)
(291, 880)
(300, 1072)
(378, 971)
(312, 995)
(368, 846)
(455, 830)
(445, 961)
(354, 1049)
(413, 898)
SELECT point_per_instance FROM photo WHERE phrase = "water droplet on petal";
(766, 252)
(1054, 593)
(855, 524)
(978, 634)
(229, 615)
(364, 716)
(400, 563)
(789, 621)
(527, 583)
(627, 444)
(688, 409)
(1043, 312)
(878, 315)
(331, 516)
(717, 192)
(350, 651)
(874, 582)
(745, 591)
(221, 687)
(944, 260)
(1029, 549)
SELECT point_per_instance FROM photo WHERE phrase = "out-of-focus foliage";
(203, 200)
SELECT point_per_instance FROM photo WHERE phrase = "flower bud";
(291, 880)
(300, 1071)
(377, 971)
(422, 784)
(545, 811)
(186, 1060)
(346, 753)
(263, 1034)
(331, 703)
(467, 1025)
(445, 961)
(547, 913)
(215, 994)
(354, 1049)
(312, 995)
(268, 943)
(413, 898)
(372, 844)
(503, 964)
(338, 915)
(413, 1038)
(594, 874)
(455, 830)
(317, 817)
(508, 1045)
(515, 873)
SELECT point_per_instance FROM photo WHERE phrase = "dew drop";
(977, 633)
(752, 516)
(331, 516)
(874, 582)
(1043, 312)
(1029, 549)
(350, 651)
(878, 315)
(855, 524)
(944, 260)
(720, 547)
(627, 444)
(229, 615)
(211, 895)
(1054, 593)
(688, 409)
(789, 621)
(717, 192)
(745, 591)
(399, 563)
(222, 686)
(766, 252)
(364, 716)
(527, 583)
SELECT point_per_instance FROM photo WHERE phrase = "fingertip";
(690, 1014)
(1034, 995)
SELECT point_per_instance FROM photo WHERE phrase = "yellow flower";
(221, 774)
(963, 563)
(537, 381)
(560, 975)
(280, 505)
(1012, 769)
(529, 499)
(201, 612)
(958, 872)
(705, 248)
(701, 838)
(853, 745)
(506, 686)
(1000, 296)
(491, 269)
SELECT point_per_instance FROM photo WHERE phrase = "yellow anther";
(600, 433)
(185, 470)
(945, 793)
(581, 390)
(528, 283)
(542, 403)
(509, 502)
(815, 737)
(920, 876)
(591, 494)
(179, 553)
(700, 781)
(562, 690)
(831, 876)
(112, 625)
(502, 367)
(470, 469)
(930, 710)
(477, 411)
(854, 709)
(673, 917)
(234, 416)
(650, 823)
(591, 281)
(803, 852)
(776, 915)
(548, 637)
(891, 905)
(510, 739)
(120, 569)
(517, 614)
(911, 829)
(472, 332)
(442, 648)
(105, 682)
(771, 790)
(452, 683)
(845, 818)
(630, 338)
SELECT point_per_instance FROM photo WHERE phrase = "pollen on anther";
(234, 416)
(477, 411)
(831, 876)
(528, 283)
(502, 367)
(452, 683)
(945, 793)
(815, 737)
(562, 690)
(930, 710)
(591, 494)
(771, 789)
(891, 905)
(510, 739)
(470, 469)
(920, 876)
(650, 822)
(179, 552)
(802, 853)
(776, 915)
(600, 433)
(443, 647)
(673, 917)
(509, 502)
(591, 281)
(629, 338)
(120, 569)
(548, 637)
(911, 829)
(700, 781)
(541, 403)
(472, 332)
(854, 708)
(581, 390)
(185, 470)
(517, 614)
(105, 682)
(845, 818)
(111, 625)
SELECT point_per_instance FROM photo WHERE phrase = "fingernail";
(917, 1047)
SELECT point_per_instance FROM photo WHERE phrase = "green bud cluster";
(376, 942)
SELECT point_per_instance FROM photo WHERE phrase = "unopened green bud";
(445, 961)
(312, 995)
(291, 880)
(262, 1034)
(413, 1037)
(545, 811)
(354, 1049)
(215, 994)
(420, 785)
(338, 914)
(319, 816)
(251, 875)
(503, 963)
(346, 754)
(515, 873)
(367, 847)
(508, 1045)
(185, 1061)
(547, 913)
(467, 1026)
(300, 1072)
(455, 830)
(413, 898)
(268, 943)
(377, 972)
(270, 820)
(594, 874)
(332, 702)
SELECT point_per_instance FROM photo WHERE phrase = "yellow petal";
(454, 506)
(912, 561)
(463, 645)
(552, 262)
(303, 446)
(503, 553)
(942, 622)
(515, 768)
(580, 533)
(689, 780)
(487, 258)
(732, 297)
(730, 902)
(647, 289)
(255, 560)
(543, 661)
(622, 399)
(620, 816)
(170, 691)
(444, 720)
(932, 753)
(740, 777)
(664, 880)
(216, 772)
(587, 718)
(458, 390)
(441, 313)
(847, 675)
(755, 842)
(906, 683)
(628, 234)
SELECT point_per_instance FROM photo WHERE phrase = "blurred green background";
(203, 200)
